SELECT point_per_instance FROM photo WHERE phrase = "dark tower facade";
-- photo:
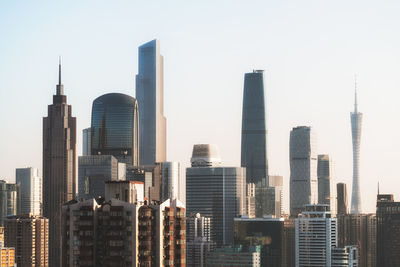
(342, 201)
(59, 166)
(254, 129)
(115, 127)
(387, 231)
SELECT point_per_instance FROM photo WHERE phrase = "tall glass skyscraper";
(356, 121)
(150, 95)
(115, 127)
(303, 169)
(254, 128)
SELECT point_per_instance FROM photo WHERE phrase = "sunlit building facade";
(31, 190)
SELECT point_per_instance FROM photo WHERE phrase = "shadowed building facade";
(115, 127)
(387, 231)
(254, 128)
(326, 183)
(342, 200)
(59, 166)
(150, 95)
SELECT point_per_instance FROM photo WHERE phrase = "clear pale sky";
(310, 50)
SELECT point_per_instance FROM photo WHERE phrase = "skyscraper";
(303, 169)
(28, 234)
(93, 172)
(10, 200)
(254, 128)
(115, 127)
(359, 230)
(326, 183)
(150, 95)
(59, 165)
(31, 190)
(86, 141)
(356, 120)
(215, 192)
(387, 231)
(342, 200)
(316, 236)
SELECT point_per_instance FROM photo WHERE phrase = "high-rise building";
(28, 234)
(7, 258)
(198, 240)
(115, 127)
(326, 183)
(150, 95)
(59, 166)
(114, 232)
(31, 190)
(356, 122)
(290, 243)
(215, 192)
(10, 200)
(345, 257)
(128, 191)
(228, 256)
(359, 230)
(170, 180)
(86, 141)
(342, 200)
(251, 200)
(93, 172)
(316, 236)
(254, 128)
(303, 169)
(387, 231)
(268, 233)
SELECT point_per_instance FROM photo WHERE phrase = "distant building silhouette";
(342, 200)
(303, 169)
(86, 141)
(59, 166)
(356, 121)
(150, 95)
(115, 127)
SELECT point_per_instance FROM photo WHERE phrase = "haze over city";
(310, 52)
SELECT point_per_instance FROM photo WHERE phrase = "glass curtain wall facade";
(326, 183)
(217, 193)
(115, 127)
(31, 190)
(303, 169)
(150, 95)
(254, 129)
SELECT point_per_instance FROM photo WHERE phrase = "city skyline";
(331, 89)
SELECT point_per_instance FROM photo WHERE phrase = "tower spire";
(60, 87)
(355, 94)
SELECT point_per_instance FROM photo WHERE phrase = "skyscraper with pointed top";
(59, 165)
(356, 121)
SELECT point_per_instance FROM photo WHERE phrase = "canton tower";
(356, 120)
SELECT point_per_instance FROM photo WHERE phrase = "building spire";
(355, 94)
(60, 87)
